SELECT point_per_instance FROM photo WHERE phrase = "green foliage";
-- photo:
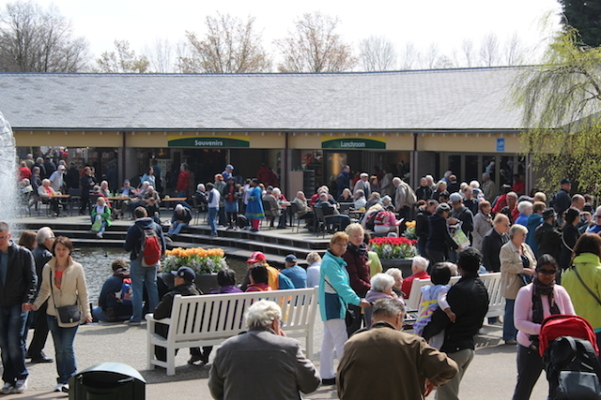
(561, 102)
(584, 16)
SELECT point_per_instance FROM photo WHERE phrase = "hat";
(476, 191)
(548, 213)
(443, 207)
(291, 258)
(61, 166)
(186, 273)
(565, 180)
(256, 257)
(230, 166)
(455, 198)
(363, 175)
(126, 181)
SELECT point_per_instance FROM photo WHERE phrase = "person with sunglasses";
(596, 228)
(535, 302)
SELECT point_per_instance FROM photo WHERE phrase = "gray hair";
(313, 257)
(43, 234)
(395, 272)
(420, 263)
(382, 282)
(389, 308)
(386, 199)
(200, 187)
(354, 227)
(523, 206)
(276, 191)
(512, 194)
(262, 313)
(517, 228)
(396, 180)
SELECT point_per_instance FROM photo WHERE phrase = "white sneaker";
(21, 385)
(65, 388)
(8, 388)
(58, 388)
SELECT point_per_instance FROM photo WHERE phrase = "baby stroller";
(569, 349)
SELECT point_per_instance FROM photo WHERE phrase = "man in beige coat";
(403, 365)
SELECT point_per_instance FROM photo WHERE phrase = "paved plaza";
(491, 375)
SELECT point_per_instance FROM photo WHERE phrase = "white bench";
(208, 320)
(496, 302)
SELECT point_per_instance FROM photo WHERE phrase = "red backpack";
(150, 251)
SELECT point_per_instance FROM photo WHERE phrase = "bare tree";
(432, 56)
(122, 60)
(514, 51)
(37, 40)
(489, 50)
(314, 46)
(161, 56)
(377, 54)
(230, 46)
(467, 49)
(410, 57)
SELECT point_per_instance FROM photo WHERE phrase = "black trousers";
(40, 332)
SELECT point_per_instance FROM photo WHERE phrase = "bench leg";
(170, 361)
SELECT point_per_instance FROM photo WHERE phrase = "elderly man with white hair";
(262, 363)
(404, 198)
(363, 184)
(419, 268)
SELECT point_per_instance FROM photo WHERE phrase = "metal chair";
(323, 222)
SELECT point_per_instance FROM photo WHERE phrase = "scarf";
(537, 303)
(360, 251)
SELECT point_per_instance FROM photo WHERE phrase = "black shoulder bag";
(66, 314)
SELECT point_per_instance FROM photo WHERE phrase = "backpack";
(241, 221)
(150, 251)
(371, 220)
(124, 295)
(381, 218)
(573, 370)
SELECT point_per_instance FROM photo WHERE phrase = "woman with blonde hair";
(517, 265)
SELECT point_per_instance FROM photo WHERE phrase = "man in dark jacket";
(468, 299)
(41, 255)
(440, 241)
(183, 281)
(422, 229)
(86, 183)
(343, 181)
(561, 200)
(492, 243)
(18, 282)
(142, 275)
(113, 304)
(548, 236)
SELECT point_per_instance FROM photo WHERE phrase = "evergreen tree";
(585, 17)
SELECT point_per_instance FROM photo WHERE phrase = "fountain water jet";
(8, 174)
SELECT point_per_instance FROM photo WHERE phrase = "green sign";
(353, 144)
(211, 142)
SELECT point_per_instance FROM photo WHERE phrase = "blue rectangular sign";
(500, 144)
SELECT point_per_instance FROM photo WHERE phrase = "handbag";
(66, 314)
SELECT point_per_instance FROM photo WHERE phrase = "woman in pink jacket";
(535, 302)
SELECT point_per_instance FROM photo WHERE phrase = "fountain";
(8, 174)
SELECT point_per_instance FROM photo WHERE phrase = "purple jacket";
(227, 289)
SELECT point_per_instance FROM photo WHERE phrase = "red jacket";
(183, 180)
(408, 282)
(359, 272)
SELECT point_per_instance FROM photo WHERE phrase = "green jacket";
(106, 215)
(585, 305)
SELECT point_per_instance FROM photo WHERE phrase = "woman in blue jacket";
(334, 294)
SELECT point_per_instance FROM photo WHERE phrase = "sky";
(446, 23)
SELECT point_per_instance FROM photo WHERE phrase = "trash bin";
(114, 381)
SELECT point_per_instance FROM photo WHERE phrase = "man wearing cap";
(363, 184)
(548, 236)
(277, 281)
(183, 281)
(56, 179)
(561, 200)
(439, 239)
(227, 174)
(461, 214)
(297, 274)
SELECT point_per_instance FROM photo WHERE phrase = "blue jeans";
(63, 339)
(176, 228)
(12, 343)
(212, 222)
(509, 331)
(143, 277)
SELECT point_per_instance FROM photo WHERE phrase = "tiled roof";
(456, 99)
